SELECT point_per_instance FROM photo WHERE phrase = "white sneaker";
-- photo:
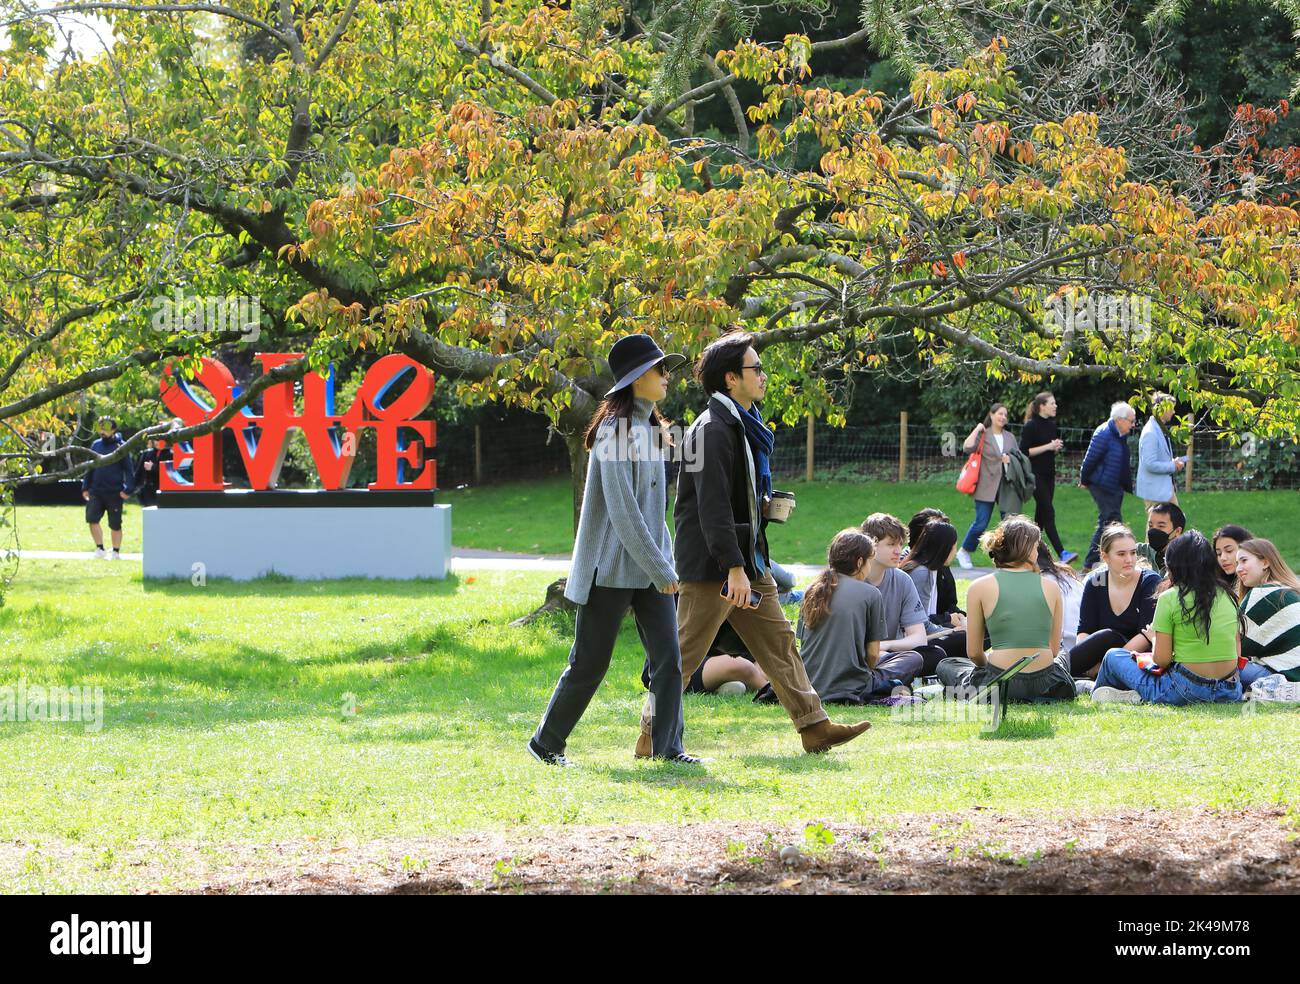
(99, 554)
(732, 688)
(963, 560)
(1082, 688)
(116, 555)
(1112, 695)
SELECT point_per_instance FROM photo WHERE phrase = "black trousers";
(934, 652)
(1089, 653)
(595, 634)
(1045, 512)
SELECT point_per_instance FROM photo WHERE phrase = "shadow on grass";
(1022, 726)
(279, 586)
(666, 774)
(799, 761)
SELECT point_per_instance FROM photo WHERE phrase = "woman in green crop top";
(1023, 612)
(1197, 638)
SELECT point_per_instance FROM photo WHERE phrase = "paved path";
(464, 559)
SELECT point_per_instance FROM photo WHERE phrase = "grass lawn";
(536, 517)
(225, 733)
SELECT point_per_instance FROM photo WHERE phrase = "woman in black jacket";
(1039, 440)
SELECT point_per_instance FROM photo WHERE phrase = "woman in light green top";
(1197, 638)
(1023, 613)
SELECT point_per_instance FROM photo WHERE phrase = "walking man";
(721, 548)
(1107, 473)
(106, 488)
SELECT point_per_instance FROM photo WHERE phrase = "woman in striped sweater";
(1270, 612)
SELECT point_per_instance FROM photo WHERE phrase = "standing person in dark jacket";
(622, 558)
(1039, 439)
(721, 548)
(106, 488)
(1107, 474)
(151, 463)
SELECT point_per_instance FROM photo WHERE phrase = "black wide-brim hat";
(634, 355)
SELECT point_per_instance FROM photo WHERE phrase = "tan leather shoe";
(825, 735)
(643, 746)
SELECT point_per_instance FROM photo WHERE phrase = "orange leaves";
(939, 269)
(966, 102)
(959, 259)
(1023, 152)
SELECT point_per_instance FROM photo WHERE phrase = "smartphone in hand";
(755, 599)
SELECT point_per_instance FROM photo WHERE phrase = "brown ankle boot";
(825, 735)
(643, 746)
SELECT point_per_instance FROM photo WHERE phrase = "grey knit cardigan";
(623, 537)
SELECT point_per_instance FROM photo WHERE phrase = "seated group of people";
(1177, 619)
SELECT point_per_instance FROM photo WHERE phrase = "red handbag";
(970, 472)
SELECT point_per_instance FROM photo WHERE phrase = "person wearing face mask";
(1157, 465)
(995, 444)
(1119, 601)
(1106, 472)
(1270, 613)
(1165, 520)
(155, 457)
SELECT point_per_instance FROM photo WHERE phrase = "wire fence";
(889, 452)
(911, 452)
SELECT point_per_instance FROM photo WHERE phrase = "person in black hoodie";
(106, 488)
(721, 549)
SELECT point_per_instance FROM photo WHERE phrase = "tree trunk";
(578, 471)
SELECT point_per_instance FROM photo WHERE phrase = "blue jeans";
(1251, 672)
(1177, 685)
(983, 513)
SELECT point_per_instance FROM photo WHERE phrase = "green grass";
(224, 731)
(536, 517)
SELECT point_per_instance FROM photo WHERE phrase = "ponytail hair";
(847, 551)
(1040, 400)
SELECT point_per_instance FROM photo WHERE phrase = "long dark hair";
(916, 525)
(1233, 532)
(619, 404)
(1062, 574)
(1031, 411)
(849, 548)
(931, 548)
(1192, 569)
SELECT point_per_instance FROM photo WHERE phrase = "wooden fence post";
(808, 451)
(478, 455)
(902, 446)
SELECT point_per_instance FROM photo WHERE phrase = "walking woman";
(1196, 644)
(1270, 613)
(1022, 612)
(995, 443)
(623, 556)
(1039, 439)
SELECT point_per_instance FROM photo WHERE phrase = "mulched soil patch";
(977, 851)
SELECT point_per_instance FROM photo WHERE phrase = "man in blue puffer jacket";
(106, 488)
(1107, 474)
